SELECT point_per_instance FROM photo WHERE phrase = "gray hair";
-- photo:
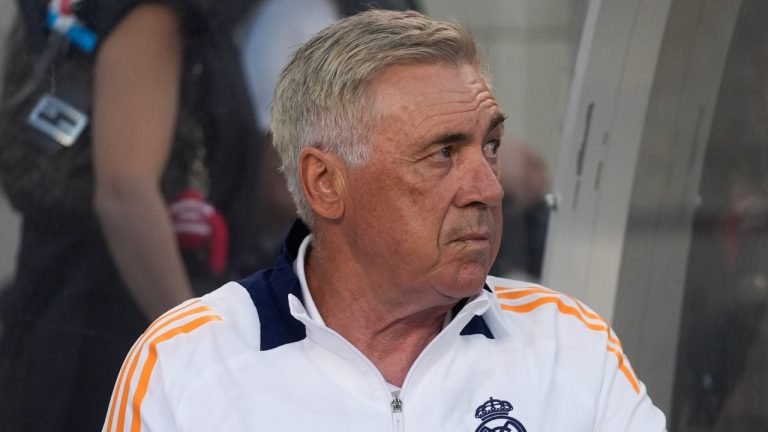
(322, 98)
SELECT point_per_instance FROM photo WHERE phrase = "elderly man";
(379, 313)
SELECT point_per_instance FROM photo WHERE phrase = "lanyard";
(62, 19)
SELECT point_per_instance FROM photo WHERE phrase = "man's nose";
(480, 183)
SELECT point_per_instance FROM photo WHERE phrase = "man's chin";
(470, 279)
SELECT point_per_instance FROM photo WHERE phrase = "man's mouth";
(475, 237)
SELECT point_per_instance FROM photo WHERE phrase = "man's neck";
(390, 334)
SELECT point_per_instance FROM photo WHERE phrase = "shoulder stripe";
(158, 325)
(512, 294)
(624, 369)
(561, 306)
(125, 377)
(116, 390)
(586, 312)
(149, 365)
(590, 319)
(555, 297)
(611, 336)
(140, 343)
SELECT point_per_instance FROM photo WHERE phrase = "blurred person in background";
(526, 181)
(126, 135)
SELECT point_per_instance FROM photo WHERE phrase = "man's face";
(426, 208)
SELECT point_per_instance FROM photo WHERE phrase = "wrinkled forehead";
(417, 92)
(410, 74)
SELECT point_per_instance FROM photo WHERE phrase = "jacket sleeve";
(624, 404)
(139, 400)
(143, 397)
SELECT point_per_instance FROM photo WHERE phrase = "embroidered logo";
(495, 417)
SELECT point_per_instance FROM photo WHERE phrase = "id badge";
(58, 120)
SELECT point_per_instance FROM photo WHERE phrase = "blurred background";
(636, 170)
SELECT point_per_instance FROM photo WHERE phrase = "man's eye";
(491, 149)
(444, 153)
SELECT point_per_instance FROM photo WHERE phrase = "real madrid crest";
(495, 417)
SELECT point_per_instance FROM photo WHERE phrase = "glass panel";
(722, 369)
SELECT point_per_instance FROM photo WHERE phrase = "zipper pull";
(397, 414)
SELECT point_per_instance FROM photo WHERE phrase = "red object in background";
(66, 7)
(200, 227)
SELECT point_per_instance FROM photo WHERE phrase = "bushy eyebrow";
(497, 120)
(451, 138)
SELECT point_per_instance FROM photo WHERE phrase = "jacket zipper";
(397, 414)
(396, 404)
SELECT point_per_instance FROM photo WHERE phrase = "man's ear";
(322, 177)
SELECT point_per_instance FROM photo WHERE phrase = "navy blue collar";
(477, 324)
(269, 290)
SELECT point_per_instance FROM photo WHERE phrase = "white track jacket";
(248, 357)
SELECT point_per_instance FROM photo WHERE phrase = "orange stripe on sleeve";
(569, 310)
(597, 317)
(586, 312)
(561, 306)
(614, 340)
(139, 342)
(113, 401)
(516, 294)
(624, 369)
(149, 365)
(132, 369)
